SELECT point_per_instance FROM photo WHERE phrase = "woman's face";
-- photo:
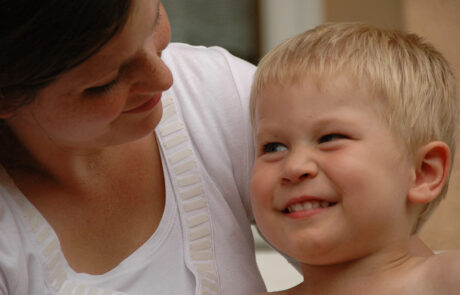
(113, 97)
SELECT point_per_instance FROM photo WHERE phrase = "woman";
(97, 195)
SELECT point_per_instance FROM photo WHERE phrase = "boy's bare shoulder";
(442, 272)
(446, 261)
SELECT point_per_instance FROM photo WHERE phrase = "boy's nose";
(298, 168)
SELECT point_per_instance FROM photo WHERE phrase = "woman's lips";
(147, 106)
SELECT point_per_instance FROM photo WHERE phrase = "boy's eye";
(273, 147)
(331, 137)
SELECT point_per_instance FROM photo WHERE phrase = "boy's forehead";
(340, 86)
(324, 84)
(337, 91)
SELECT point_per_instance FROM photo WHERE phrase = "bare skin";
(437, 274)
(325, 284)
(107, 213)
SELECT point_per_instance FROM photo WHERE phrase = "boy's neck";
(385, 270)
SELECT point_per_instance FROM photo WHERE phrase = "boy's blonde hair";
(412, 81)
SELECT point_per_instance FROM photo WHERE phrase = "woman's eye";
(274, 147)
(331, 137)
(103, 88)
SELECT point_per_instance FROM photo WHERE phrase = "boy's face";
(330, 180)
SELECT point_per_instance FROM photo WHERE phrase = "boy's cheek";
(257, 190)
(262, 182)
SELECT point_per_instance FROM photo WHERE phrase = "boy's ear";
(432, 168)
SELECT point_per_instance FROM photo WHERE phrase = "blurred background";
(249, 28)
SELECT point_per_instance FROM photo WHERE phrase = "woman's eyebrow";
(119, 70)
(155, 23)
(157, 16)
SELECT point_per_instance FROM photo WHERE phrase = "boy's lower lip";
(305, 213)
(308, 213)
(145, 106)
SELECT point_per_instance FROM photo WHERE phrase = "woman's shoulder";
(211, 97)
(204, 63)
(12, 258)
(14, 210)
(192, 52)
(180, 53)
(11, 225)
(23, 242)
(211, 89)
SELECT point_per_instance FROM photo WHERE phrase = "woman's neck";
(76, 169)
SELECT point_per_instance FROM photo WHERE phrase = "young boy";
(355, 136)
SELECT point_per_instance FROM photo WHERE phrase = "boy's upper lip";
(303, 199)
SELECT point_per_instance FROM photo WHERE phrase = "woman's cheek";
(109, 107)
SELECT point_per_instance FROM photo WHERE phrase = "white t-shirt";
(203, 244)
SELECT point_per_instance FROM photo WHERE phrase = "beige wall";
(283, 19)
(386, 13)
(439, 22)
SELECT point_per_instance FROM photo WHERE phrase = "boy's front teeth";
(309, 205)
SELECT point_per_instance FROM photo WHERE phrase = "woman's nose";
(151, 73)
(298, 167)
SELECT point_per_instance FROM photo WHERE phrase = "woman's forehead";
(119, 50)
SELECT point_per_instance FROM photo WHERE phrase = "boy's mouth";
(308, 205)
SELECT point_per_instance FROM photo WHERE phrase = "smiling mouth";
(145, 106)
(308, 206)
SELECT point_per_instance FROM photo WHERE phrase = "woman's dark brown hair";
(41, 39)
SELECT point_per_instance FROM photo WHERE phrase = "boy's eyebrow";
(335, 119)
(267, 130)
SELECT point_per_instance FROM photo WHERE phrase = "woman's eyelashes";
(100, 90)
(273, 147)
